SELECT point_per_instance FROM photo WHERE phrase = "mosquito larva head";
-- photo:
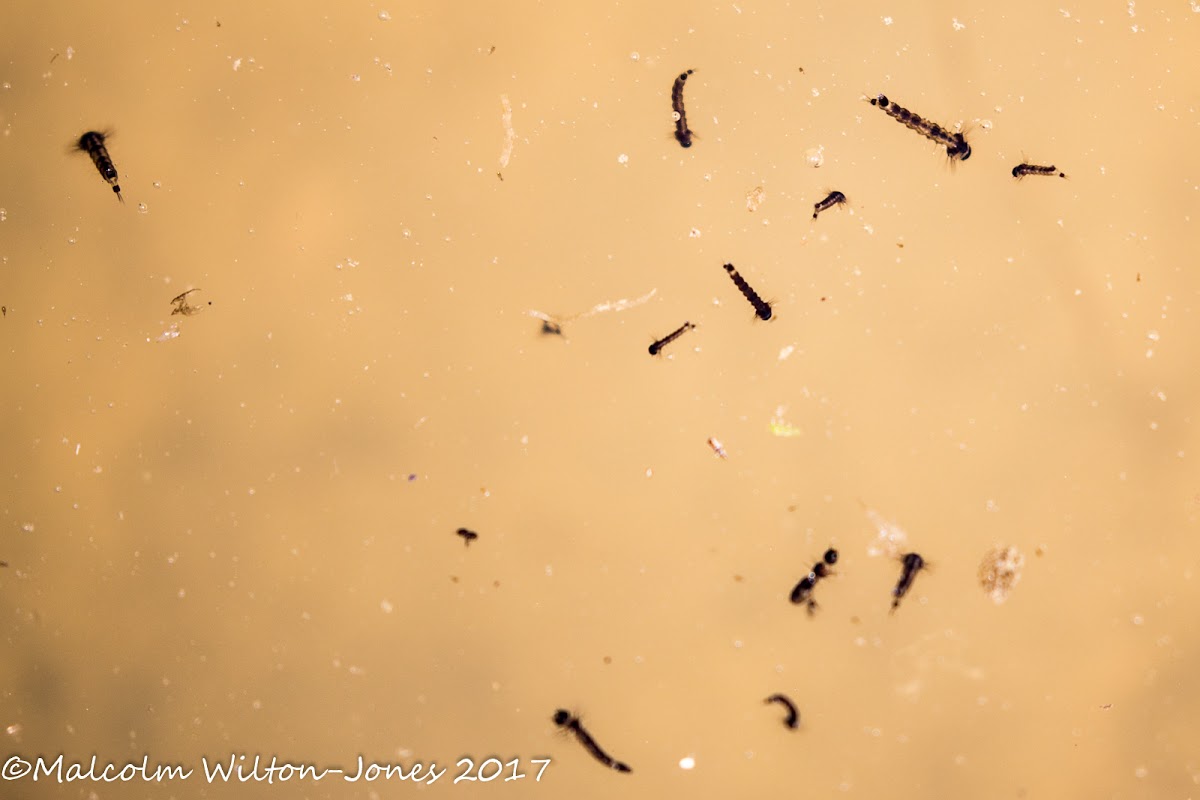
(764, 313)
(561, 717)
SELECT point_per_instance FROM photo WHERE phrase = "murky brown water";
(233, 532)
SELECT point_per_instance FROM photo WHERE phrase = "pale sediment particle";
(1000, 571)
(510, 136)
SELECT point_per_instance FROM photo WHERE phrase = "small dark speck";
(900, 245)
(801, 69)
(823, 299)
(492, 50)
(608, 659)
(468, 536)
(412, 476)
(1106, 706)
(495, 584)
(3, 563)
(500, 175)
(738, 578)
(454, 579)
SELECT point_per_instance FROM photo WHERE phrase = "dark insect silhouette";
(570, 723)
(94, 144)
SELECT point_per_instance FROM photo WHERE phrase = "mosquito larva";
(657, 347)
(834, 198)
(681, 129)
(1021, 170)
(761, 307)
(93, 143)
(955, 143)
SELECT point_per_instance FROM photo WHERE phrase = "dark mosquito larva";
(92, 143)
(793, 716)
(802, 593)
(1021, 170)
(467, 536)
(913, 564)
(761, 307)
(834, 199)
(681, 129)
(955, 143)
(569, 722)
(657, 347)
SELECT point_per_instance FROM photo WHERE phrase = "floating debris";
(717, 447)
(1000, 571)
(755, 198)
(510, 136)
(183, 307)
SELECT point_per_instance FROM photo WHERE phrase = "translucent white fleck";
(635, 56)
(237, 64)
(958, 26)
(384, 16)
(815, 156)
(694, 233)
(887, 20)
(786, 351)
(687, 762)
(623, 159)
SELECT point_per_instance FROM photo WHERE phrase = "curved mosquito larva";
(93, 143)
(657, 347)
(1021, 170)
(761, 307)
(956, 145)
(835, 198)
(793, 716)
(682, 133)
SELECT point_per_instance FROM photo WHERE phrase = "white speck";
(786, 351)
(623, 159)
(70, 53)
(1066, 14)
(887, 20)
(649, 472)
(182, 593)
(694, 233)
(356, 77)
(1129, 7)
(986, 124)
(77, 448)
(549, 570)
(815, 156)
(237, 64)
(635, 56)
(1161, 395)
(142, 209)
(1140, 772)
(384, 16)
(1137, 619)
(386, 606)
(990, 505)
(3, 214)
(170, 333)
(27, 527)
(958, 26)
(1152, 335)
(687, 762)
(815, 92)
